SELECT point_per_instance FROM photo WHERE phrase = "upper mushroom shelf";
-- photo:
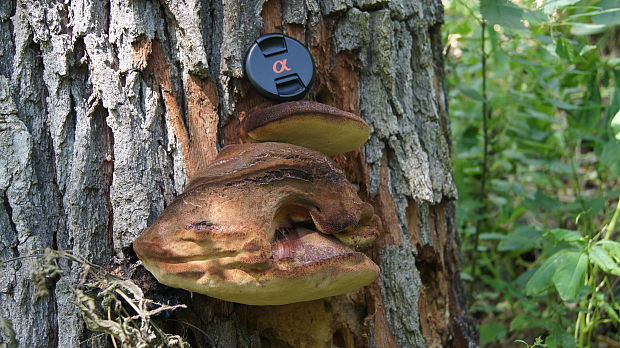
(309, 124)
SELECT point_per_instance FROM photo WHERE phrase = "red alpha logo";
(282, 66)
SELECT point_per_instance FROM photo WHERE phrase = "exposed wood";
(108, 107)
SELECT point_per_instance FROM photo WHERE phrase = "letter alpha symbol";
(280, 66)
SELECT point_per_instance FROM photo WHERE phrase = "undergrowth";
(534, 90)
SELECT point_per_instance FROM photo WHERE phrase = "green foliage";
(534, 89)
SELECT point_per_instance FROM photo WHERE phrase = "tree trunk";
(107, 107)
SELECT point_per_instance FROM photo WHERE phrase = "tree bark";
(107, 107)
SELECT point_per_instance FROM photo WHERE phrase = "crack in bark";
(9, 212)
(108, 171)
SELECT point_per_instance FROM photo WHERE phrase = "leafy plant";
(534, 89)
(537, 343)
(573, 268)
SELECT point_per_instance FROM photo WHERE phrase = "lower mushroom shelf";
(264, 224)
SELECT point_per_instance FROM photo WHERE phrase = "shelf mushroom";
(264, 224)
(309, 124)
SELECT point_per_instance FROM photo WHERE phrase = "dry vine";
(107, 303)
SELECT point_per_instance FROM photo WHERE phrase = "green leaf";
(609, 155)
(563, 105)
(527, 321)
(587, 49)
(522, 238)
(550, 6)
(613, 248)
(470, 92)
(611, 311)
(542, 201)
(520, 322)
(599, 257)
(615, 125)
(492, 236)
(570, 273)
(561, 234)
(614, 62)
(541, 280)
(491, 332)
(558, 337)
(565, 50)
(466, 277)
(587, 28)
(609, 15)
(502, 12)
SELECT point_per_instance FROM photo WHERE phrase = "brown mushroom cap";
(309, 124)
(261, 226)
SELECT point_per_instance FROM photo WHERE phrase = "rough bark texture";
(107, 107)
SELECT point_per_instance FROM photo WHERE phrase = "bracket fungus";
(264, 224)
(309, 124)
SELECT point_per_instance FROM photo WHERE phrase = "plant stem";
(485, 155)
(587, 323)
(612, 224)
(578, 325)
(577, 187)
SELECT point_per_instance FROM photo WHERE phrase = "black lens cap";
(279, 67)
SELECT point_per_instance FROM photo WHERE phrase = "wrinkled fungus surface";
(264, 224)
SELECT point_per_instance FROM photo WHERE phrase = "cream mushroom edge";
(272, 220)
